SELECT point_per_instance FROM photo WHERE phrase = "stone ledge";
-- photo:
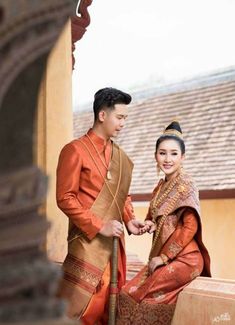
(206, 301)
(64, 321)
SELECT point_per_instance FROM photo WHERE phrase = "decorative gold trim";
(164, 259)
(173, 132)
(107, 166)
(105, 180)
(157, 200)
(175, 248)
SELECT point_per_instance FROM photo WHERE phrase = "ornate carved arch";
(28, 31)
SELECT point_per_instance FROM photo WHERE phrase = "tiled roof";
(207, 117)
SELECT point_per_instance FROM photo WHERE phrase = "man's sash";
(86, 259)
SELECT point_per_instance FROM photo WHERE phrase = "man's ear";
(102, 116)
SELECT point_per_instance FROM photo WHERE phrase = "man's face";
(114, 120)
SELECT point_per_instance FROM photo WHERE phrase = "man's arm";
(133, 226)
(128, 213)
(67, 187)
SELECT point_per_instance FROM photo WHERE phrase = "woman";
(177, 255)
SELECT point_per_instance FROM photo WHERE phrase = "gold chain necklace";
(114, 196)
(156, 201)
(107, 167)
(159, 198)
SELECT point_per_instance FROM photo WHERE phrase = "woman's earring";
(158, 170)
(181, 169)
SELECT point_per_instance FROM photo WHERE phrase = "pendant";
(109, 176)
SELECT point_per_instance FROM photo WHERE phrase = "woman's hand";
(146, 228)
(135, 227)
(151, 226)
(154, 263)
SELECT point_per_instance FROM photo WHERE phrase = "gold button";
(181, 188)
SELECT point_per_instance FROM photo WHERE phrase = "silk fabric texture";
(83, 196)
(180, 239)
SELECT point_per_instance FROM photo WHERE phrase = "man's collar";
(97, 140)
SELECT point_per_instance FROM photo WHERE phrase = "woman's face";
(169, 157)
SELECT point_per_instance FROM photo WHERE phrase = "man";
(93, 179)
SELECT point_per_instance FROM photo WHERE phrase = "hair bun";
(173, 129)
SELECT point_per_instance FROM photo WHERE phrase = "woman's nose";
(167, 158)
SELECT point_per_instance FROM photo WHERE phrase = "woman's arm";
(182, 236)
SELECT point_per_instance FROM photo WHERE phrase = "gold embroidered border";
(81, 273)
(175, 248)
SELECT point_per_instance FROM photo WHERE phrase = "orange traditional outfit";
(89, 199)
(150, 299)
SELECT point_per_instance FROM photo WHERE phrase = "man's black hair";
(106, 98)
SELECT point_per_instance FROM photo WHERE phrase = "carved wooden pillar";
(79, 24)
(28, 31)
(54, 124)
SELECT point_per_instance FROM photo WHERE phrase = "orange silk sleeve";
(67, 187)
(182, 236)
(128, 213)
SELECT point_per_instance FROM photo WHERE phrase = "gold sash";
(86, 260)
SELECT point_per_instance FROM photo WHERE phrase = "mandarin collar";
(98, 141)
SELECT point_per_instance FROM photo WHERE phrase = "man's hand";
(112, 228)
(154, 263)
(135, 227)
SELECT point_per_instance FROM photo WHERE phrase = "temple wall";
(54, 130)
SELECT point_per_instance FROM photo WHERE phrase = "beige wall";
(139, 245)
(218, 222)
(218, 218)
(54, 130)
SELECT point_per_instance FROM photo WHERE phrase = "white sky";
(130, 43)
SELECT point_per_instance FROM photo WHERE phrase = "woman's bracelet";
(164, 259)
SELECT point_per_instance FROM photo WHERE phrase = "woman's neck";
(170, 177)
